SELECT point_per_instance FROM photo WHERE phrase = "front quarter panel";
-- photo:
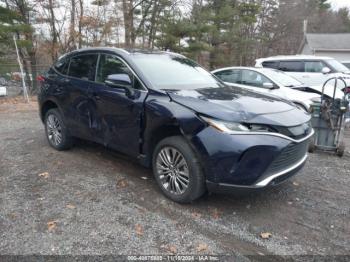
(161, 113)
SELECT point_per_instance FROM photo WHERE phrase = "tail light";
(40, 78)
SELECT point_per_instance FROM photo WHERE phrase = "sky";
(339, 3)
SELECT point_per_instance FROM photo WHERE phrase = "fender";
(163, 118)
(42, 104)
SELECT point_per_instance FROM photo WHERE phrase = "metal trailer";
(328, 121)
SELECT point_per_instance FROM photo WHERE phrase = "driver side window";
(111, 65)
(314, 66)
(230, 76)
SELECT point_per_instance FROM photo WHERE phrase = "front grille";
(295, 132)
(291, 155)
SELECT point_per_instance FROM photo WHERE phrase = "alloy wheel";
(54, 130)
(172, 170)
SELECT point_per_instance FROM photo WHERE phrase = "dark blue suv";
(174, 116)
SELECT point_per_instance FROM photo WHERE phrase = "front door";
(313, 73)
(119, 114)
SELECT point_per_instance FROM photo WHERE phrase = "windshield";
(166, 71)
(282, 78)
(337, 66)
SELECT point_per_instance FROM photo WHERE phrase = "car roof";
(294, 57)
(120, 51)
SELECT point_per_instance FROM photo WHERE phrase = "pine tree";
(15, 21)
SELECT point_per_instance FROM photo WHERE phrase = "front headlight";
(233, 127)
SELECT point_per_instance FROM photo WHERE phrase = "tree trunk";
(80, 25)
(54, 53)
(34, 71)
(71, 42)
(153, 24)
(128, 14)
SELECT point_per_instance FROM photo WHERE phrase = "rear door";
(118, 115)
(81, 108)
(296, 69)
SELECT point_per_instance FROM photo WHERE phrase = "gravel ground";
(93, 201)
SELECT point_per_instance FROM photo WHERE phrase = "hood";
(238, 105)
(302, 95)
(296, 94)
(329, 91)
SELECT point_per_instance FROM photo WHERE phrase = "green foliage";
(324, 5)
(7, 15)
(216, 26)
(11, 23)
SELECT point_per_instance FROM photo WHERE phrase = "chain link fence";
(11, 77)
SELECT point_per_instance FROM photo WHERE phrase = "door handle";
(95, 96)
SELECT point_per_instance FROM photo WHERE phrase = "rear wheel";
(56, 131)
(341, 149)
(177, 170)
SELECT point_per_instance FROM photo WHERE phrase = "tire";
(173, 184)
(56, 131)
(312, 146)
(341, 149)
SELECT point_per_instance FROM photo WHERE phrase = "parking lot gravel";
(93, 201)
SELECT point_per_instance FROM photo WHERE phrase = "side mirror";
(121, 81)
(326, 70)
(268, 85)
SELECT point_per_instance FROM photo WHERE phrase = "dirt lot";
(90, 200)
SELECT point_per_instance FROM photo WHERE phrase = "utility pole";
(25, 91)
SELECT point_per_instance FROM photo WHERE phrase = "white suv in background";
(313, 71)
(346, 63)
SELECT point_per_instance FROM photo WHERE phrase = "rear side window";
(61, 66)
(230, 76)
(291, 66)
(83, 66)
(271, 64)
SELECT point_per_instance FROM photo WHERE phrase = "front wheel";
(177, 170)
